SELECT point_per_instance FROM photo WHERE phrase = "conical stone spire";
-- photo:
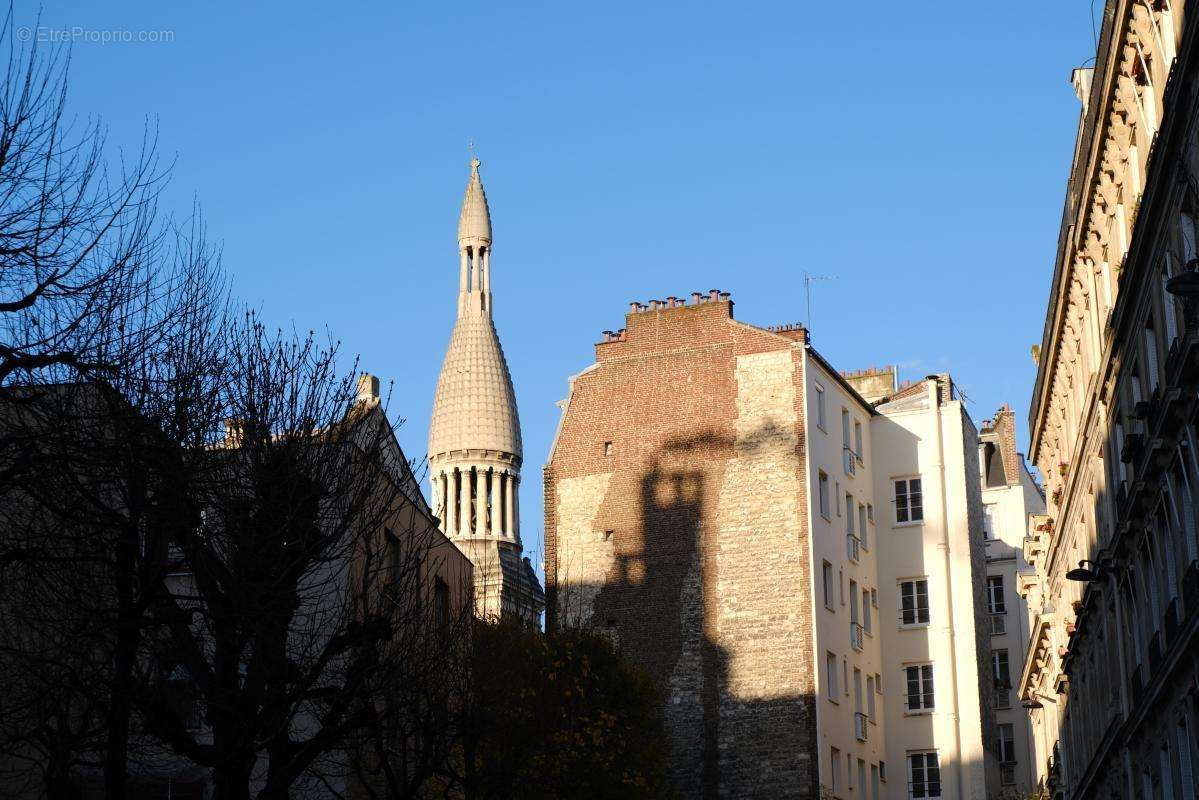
(474, 435)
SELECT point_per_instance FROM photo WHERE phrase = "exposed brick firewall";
(687, 539)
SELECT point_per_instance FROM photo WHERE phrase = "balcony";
(1003, 697)
(855, 635)
(1007, 773)
(853, 548)
(998, 624)
(851, 460)
(860, 728)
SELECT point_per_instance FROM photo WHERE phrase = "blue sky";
(916, 151)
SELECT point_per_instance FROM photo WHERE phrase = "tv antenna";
(808, 280)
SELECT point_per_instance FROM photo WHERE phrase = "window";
(441, 605)
(995, 600)
(1186, 773)
(824, 495)
(862, 776)
(874, 787)
(849, 771)
(878, 686)
(845, 675)
(867, 617)
(1001, 678)
(870, 512)
(828, 585)
(607, 448)
(874, 598)
(913, 602)
(1005, 745)
(608, 536)
(849, 515)
(857, 440)
(820, 415)
(830, 669)
(870, 697)
(989, 518)
(862, 525)
(924, 775)
(999, 670)
(845, 428)
(909, 502)
(920, 687)
(835, 772)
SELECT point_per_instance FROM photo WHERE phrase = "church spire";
(474, 248)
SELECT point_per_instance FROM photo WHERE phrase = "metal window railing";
(853, 547)
(998, 624)
(860, 728)
(855, 635)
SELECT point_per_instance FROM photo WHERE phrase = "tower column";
(515, 532)
(450, 525)
(491, 502)
(509, 500)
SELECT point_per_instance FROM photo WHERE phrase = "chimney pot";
(713, 294)
(670, 301)
(695, 297)
(634, 307)
(607, 336)
(725, 296)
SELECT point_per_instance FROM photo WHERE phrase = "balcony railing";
(853, 547)
(851, 460)
(1007, 773)
(855, 635)
(998, 624)
(859, 726)
(1003, 696)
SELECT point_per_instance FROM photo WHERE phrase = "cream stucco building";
(1110, 675)
(1011, 498)
(474, 437)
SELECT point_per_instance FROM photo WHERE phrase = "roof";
(474, 223)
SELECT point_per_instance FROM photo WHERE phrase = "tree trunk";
(116, 751)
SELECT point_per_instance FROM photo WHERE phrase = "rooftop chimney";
(368, 388)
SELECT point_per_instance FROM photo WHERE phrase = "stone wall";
(676, 520)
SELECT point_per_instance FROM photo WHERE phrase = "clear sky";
(916, 151)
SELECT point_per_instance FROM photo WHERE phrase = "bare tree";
(74, 236)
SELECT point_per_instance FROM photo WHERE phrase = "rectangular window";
(845, 428)
(870, 512)
(835, 776)
(830, 670)
(999, 670)
(924, 776)
(909, 501)
(827, 571)
(867, 616)
(913, 602)
(820, 415)
(862, 776)
(862, 525)
(1002, 695)
(853, 600)
(823, 495)
(1005, 743)
(989, 519)
(870, 697)
(849, 514)
(920, 696)
(995, 600)
(874, 787)
(857, 440)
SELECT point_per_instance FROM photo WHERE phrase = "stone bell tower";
(474, 436)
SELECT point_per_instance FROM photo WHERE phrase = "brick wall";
(686, 539)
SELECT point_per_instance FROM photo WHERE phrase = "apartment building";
(1011, 497)
(794, 555)
(1112, 658)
